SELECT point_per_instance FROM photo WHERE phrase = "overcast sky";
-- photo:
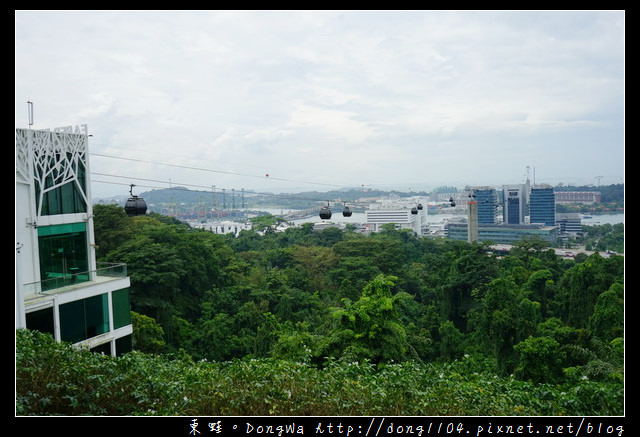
(316, 100)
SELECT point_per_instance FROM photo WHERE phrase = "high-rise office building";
(515, 204)
(60, 288)
(542, 206)
(487, 205)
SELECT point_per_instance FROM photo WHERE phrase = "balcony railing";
(117, 270)
(57, 281)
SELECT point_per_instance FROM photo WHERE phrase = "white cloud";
(335, 125)
(373, 97)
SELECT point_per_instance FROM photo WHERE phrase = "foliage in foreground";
(57, 379)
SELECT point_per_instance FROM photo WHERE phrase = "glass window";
(63, 255)
(123, 345)
(97, 315)
(84, 318)
(72, 322)
(121, 308)
(104, 348)
(41, 320)
(67, 198)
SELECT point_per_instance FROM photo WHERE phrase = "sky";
(291, 101)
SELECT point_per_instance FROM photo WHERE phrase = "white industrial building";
(404, 213)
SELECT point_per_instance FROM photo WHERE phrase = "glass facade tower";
(542, 207)
(487, 205)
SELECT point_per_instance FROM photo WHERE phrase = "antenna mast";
(30, 110)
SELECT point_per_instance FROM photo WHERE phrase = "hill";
(232, 199)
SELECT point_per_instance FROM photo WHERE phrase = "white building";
(515, 204)
(60, 289)
(220, 226)
(404, 213)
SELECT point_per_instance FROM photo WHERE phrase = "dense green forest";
(305, 322)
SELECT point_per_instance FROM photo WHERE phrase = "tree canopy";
(388, 297)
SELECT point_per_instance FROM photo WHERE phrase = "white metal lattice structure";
(51, 159)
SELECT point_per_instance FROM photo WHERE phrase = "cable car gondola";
(135, 205)
(325, 212)
(420, 206)
(452, 202)
(414, 210)
(346, 212)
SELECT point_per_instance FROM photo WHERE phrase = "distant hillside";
(251, 199)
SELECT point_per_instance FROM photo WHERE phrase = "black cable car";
(420, 206)
(135, 205)
(451, 201)
(346, 212)
(325, 212)
(414, 210)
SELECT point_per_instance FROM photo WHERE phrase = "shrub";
(57, 379)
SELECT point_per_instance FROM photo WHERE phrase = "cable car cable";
(210, 170)
(206, 189)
